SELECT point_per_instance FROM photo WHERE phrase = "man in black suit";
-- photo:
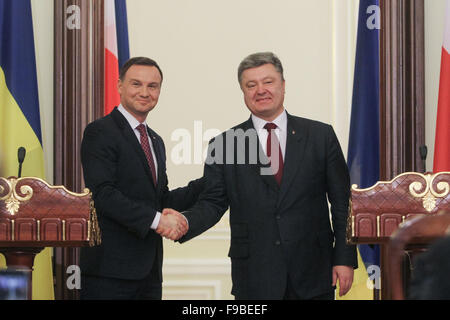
(124, 165)
(430, 280)
(282, 242)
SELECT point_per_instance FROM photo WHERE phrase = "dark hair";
(259, 59)
(140, 61)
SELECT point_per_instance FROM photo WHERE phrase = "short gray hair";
(258, 59)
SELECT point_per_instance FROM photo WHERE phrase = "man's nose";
(144, 92)
(260, 89)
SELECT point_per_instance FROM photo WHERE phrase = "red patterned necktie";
(146, 147)
(276, 161)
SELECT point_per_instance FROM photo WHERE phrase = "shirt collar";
(131, 120)
(280, 121)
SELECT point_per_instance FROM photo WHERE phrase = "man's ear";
(119, 86)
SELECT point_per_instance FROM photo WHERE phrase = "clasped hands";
(172, 224)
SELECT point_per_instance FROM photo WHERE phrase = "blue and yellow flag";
(363, 156)
(19, 115)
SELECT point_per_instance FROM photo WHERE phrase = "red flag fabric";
(442, 141)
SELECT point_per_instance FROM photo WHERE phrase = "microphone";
(21, 152)
(423, 155)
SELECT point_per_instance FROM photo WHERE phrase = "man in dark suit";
(430, 280)
(282, 242)
(124, 167)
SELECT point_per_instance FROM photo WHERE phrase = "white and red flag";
(116, 49)
(442, 141)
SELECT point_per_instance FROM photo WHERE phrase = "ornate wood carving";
(45, 215)
(34, 215)
(376, 212)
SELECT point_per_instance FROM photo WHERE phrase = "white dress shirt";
(280, 131)
(134, 123)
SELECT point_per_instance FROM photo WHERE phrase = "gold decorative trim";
(378, 227)
(85, 192)
(13, 231)
(11, 197)
(94, 233)
(429, 195)
(350, 228)
(353, 226)
(355, 186)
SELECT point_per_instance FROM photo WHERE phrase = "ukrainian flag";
(19, 115)
(363, 156)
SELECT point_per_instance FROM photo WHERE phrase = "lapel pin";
(293, 131)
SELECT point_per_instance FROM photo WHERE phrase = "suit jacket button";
(278, 217)
(277, 243)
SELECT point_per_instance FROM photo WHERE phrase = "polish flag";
(112, 97)
(442, 141)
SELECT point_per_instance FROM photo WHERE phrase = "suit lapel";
(130, 137)
(295, 149)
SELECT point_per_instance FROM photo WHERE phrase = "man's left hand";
(345, 276)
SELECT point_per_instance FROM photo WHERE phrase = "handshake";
(172, 225)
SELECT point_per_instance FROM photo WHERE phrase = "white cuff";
(155, 222)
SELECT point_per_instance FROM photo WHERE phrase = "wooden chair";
(414, 235)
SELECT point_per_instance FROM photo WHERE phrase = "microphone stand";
(21, 152)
